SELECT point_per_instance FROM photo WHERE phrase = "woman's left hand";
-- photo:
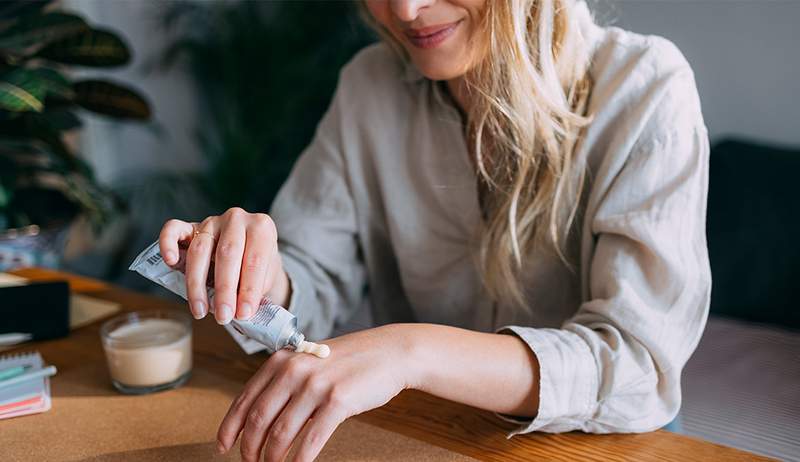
(299, 400)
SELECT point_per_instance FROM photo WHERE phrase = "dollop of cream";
(317, 349)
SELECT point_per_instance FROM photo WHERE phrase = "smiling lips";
(430, 37)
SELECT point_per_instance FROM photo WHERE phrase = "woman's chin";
(437, 71)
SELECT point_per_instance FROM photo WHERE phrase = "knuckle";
(254, 261)
(279, 358)
(273, 451)
(337, 399)
(249, 448)
(198, 246)
(317, 385)
(235, 212)
(256, 418)
(238, 404)
(315, 438)
(195, 286)
(224, 287)
(249, 292)
(169, 224)
(227, 249)
(265, 221)
(207, 221)
(296, 369)
(279, 434)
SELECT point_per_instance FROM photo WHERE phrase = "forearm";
(490, 371)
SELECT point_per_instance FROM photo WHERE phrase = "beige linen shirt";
(382, 210)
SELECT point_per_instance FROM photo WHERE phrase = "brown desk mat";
(90, 421)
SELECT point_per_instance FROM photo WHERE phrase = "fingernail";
(224, 314)
(220, 448)
(246, 311)
(199, 311)
(170, 257)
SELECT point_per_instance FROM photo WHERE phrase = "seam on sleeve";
(550, 418)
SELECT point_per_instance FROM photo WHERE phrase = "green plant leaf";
(57, 85)
(111, 99)
(91, 47)
(22, 90)
(40, 29)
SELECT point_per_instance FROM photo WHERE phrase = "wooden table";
(453, 426)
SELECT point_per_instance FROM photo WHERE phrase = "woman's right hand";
(242, 250)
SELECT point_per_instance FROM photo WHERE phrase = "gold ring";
(197, 233)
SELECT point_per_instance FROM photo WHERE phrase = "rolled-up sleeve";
(615, 365)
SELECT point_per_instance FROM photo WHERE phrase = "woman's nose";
(408, 10)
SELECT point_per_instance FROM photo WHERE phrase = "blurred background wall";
(744, 54)
(117, 149)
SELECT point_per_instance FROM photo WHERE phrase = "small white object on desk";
(14, 338)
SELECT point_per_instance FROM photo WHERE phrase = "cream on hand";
(316, 349)
(271, 325)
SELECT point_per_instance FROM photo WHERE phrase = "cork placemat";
(90, 421)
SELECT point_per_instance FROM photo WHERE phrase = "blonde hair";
(527, 101)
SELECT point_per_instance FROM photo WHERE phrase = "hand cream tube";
(271, 325)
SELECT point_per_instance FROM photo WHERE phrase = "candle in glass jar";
(146, 353)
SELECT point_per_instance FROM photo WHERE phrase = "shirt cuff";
(568, 380)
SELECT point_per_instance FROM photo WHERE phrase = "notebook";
(29, 397)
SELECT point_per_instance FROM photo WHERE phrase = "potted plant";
(44, 184)
(264, 73)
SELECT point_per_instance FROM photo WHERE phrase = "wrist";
(413, 353)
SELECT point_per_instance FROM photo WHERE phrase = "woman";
(516, 194)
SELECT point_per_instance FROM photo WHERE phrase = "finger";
(261, 416)
(317, 432)
(173, 232)
(257, 254)
(288, 425)
(273, 269)
(198, 260)
(228, 264)
(235, 418)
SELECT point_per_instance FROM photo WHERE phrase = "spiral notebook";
(29, 397)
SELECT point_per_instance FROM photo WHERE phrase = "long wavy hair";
(527, 94)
